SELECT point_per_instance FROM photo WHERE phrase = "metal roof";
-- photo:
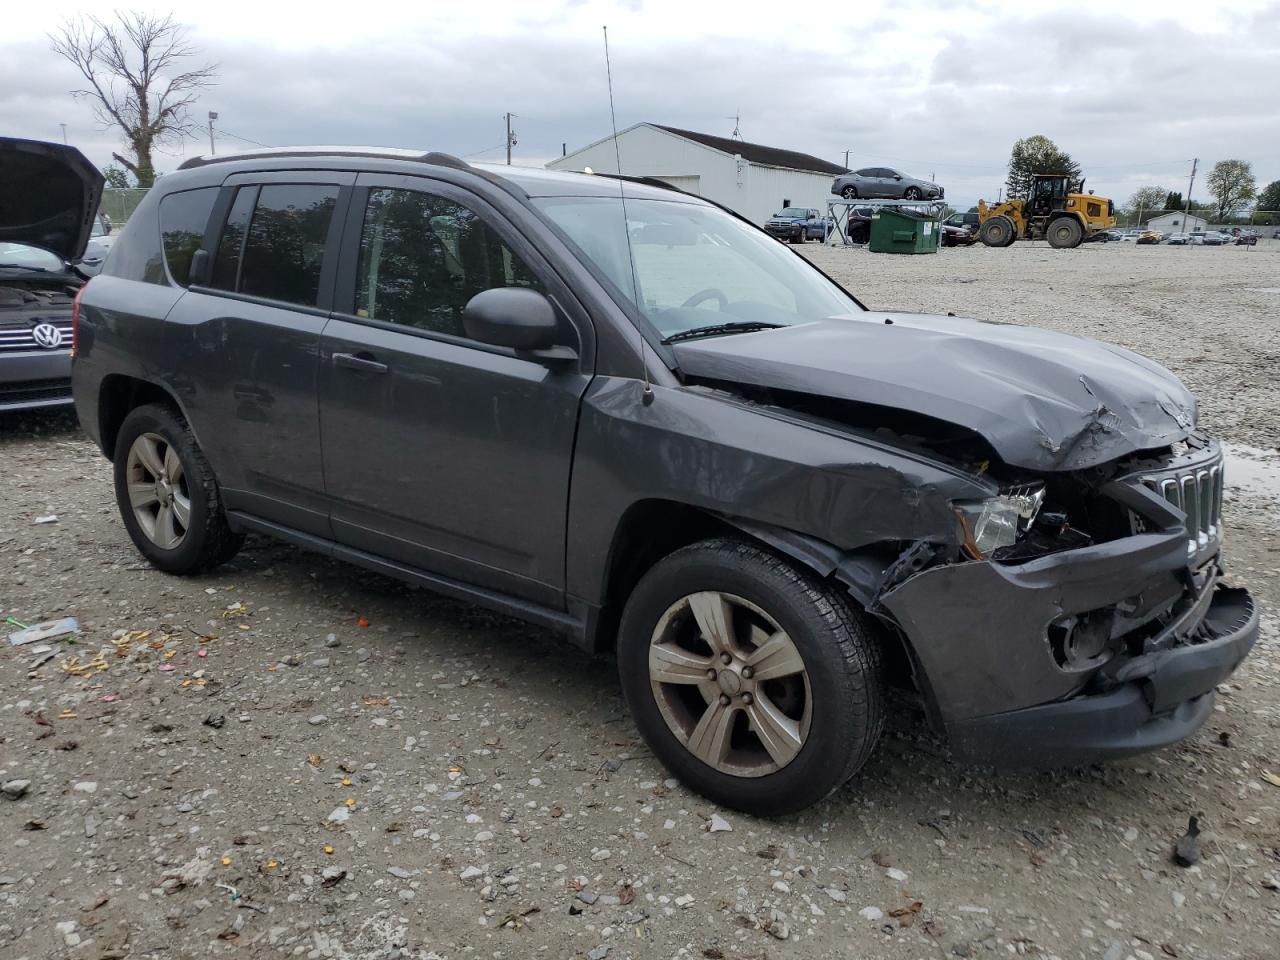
(758, 153)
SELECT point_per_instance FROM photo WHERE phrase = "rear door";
(439, 451)
(247, 341)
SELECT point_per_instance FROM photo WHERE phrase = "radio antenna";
(646, 395)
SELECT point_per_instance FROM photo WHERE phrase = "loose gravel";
(292, 757)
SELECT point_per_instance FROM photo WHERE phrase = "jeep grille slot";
(1197, 492)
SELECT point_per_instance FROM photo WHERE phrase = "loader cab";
(1048, 193)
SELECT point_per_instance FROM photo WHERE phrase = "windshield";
(31, 258)
(694, 266)
(792, 212)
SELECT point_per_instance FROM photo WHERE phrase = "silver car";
(884, 183)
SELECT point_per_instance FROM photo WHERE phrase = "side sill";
(559, 621)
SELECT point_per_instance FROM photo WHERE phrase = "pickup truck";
(798, 224)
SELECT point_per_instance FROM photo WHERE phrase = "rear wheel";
(1064, 232)
(758, 686)
(996, 231)
(167, 494)
(849, 193)
(912, 193)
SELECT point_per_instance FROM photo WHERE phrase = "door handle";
(363, 362)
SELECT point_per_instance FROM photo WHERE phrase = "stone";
(471, 873)
(484, 836)
(718, 824)
(331, 640)
(86, 786)
(838, 896)
(602, 854)
(318, 719)
(684, 900)
(1178, 899)
(871, 913)
(587, 897)
(778, 928)
(781, 886)
(340, 814)
(893, 873)
(598, 953)
(401, 873)
(13, 789)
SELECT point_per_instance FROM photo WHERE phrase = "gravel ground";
(292, 757)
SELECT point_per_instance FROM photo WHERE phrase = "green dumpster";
(903, 230)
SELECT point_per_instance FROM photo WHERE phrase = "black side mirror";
(198, 274)
(519, 318)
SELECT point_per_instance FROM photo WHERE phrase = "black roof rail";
(435, 158)
(647, 181)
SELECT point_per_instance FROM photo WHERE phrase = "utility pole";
(511, 138)
(1186, 211)
(64, 132)
(212, 117)
(846, 159)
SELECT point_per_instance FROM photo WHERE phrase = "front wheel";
(1065, 232)
(849, 193)
(912, 193)
(997, 231)
(168, 497)
(755, 684)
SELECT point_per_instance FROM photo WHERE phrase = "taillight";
(75, 317)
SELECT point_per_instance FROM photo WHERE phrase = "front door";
(439, 451)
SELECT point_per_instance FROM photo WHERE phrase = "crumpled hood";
(1043, 400)
(49, 195)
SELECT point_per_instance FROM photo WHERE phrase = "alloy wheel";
(158, 490)
(730, 684)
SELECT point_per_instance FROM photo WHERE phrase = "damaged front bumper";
(1008, 682)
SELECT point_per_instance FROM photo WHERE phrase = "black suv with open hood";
(49, 195)
(620, 411)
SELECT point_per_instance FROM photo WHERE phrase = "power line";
(236, 136)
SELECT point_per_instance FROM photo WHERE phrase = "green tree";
(137, 79)
(1232, 186)
(1032, 155)
(1173, 201)
(1269, 198)
(116, 177)
(1146, 202)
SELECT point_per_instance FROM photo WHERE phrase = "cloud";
(934, 88)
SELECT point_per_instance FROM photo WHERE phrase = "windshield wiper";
(735, 326)
(24, 266)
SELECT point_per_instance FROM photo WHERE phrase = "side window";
(183, 219)
(867, 172)
(226, 260)
(422, 257)
(284, 246)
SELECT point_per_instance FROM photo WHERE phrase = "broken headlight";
(997, 522)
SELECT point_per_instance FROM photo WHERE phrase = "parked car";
(100, 241)
(780, 501)
(858, 225)
(884, 183)
(47, 196)
(1246, 239)
(954, 235)
(798, 224)
(1149, 236)
(1112, 236)
(970, 220)
(1178, 239)
(1215, 238)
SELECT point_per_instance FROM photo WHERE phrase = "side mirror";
(199, 273)
(519, 318)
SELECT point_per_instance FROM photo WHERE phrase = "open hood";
(1043, 400)
(49, 195)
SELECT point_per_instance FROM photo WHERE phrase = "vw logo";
(47, 336)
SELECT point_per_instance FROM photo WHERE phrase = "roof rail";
(435, 158)
(647, 181)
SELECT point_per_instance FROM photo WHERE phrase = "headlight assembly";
(997, 522)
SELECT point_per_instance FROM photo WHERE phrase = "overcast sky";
(1133, 90)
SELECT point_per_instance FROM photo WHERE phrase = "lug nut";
(726, 658)
(747, 673)
(711, 674)
(724, 699)
(748, 699)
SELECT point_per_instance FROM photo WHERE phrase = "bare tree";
(138, 81)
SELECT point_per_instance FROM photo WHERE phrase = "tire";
(823, 720)
(997, 231)
(155, 442)
(1064, 233)
(799, 237)
(849, 193)
(911, 193)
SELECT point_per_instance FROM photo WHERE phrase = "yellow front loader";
(1050, 213)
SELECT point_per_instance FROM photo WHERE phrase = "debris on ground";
(1186, 851)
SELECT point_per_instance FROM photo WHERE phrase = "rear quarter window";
(184, 218)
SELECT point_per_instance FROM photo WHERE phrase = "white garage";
(754, 180)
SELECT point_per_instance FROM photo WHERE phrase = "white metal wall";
(754, 191)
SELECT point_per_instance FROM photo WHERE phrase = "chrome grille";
(14, 339)
(1197, 492)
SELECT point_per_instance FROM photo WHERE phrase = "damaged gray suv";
(624, 413)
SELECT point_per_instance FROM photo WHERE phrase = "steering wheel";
(711, 293)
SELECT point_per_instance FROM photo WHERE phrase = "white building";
(1173, 223)
(752, 180)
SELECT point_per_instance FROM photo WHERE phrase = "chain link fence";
(118, 203)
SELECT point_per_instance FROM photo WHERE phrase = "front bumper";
(786, 231)
(1168, 696)
(33, 379)
(990, 640)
